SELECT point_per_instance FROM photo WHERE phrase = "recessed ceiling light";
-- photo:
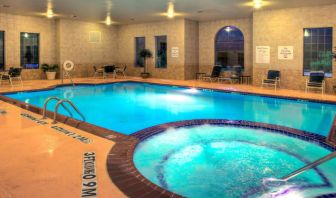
(257, 4)
(6, 6)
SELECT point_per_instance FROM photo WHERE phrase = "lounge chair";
(13, 74)
(215, 74)
(273, 79)
(316, 81)
(98, 72)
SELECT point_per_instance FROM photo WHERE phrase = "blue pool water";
(128, 107)
(230, 162)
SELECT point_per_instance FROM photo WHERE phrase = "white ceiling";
(136, 11)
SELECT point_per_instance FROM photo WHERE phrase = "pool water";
(230, 162)
(128, 106)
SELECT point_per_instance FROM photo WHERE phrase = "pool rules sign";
(285, 52)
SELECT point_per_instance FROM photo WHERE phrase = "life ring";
(68, 65)
(68, 94)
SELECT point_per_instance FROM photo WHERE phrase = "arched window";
(229, 47)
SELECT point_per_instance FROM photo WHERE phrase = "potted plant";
(50, 70)
(145, 54)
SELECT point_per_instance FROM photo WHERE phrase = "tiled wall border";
(124, 174)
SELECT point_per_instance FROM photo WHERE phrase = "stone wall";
(285, 28)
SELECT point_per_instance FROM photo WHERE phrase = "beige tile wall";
(207, 34)
(73, 44)
(285, 28)
(13, 25)
(191, 49)
(173, 29)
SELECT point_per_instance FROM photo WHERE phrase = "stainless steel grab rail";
(273, 182)
(46, 103)
(73, 106)
(310, 166)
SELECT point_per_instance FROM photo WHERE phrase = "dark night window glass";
(29, 50)
(140, 44)
(2, 50)
(161, 51)
(229, 47)
(317, 50)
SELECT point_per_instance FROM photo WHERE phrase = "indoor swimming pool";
(127, 107)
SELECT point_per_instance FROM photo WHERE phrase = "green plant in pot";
(145, 54)
(50, 70)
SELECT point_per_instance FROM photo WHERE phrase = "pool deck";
(39, 161)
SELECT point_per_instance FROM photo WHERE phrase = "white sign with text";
(285, 52)
(175, 52)
(263, 54)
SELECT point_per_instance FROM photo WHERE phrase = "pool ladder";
(60, 102)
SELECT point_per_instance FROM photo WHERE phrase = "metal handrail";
(46, 103)
(310, 166)
(73, 106)
(273, 182)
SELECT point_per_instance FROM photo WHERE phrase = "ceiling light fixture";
(50, 13)
(170, 10)
(257, 4)
(108, 20)
(228, 29)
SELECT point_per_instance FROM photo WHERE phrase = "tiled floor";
(38, 161)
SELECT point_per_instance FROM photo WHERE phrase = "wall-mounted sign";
(285, 52)
(175, 52)
(263, 54)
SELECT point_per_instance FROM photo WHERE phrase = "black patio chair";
(273, 79)
(215, 74)
(316, 81)
(12, 74)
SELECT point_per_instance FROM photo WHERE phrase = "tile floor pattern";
(37, 161)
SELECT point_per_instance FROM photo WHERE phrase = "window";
(2, 50)
(229, 47)
(161, 51)
(317, 50)
(140, 44)
(29, 50)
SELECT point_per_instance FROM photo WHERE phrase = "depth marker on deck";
(89, 177)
